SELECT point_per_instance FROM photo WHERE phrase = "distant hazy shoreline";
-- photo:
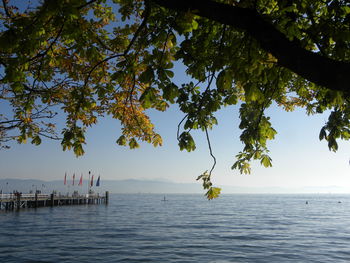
(153, 186)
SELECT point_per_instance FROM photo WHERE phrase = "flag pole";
(89, 183)
(80, 181)
(68, 187)
(65, 180)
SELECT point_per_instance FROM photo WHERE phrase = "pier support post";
(107, 197)
(18, 201)
(36, 200)
(52, 197)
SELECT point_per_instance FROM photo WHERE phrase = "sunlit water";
(186, 228)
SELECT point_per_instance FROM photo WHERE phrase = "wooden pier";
(19, 201)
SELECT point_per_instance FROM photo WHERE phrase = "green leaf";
(224, 80)
(253, 93)
(121, 140)
(170, 92)
(213, 192)
(266, 161)
(186, 142)
(17, 87)
(231, 100)
(133, 144)
(332, 144)
(78, 149)
(157, 140)
(323, 134)
(169, 73)
(36, 140)
(147, 76)
(200, 176)
(242, 164)
(22, 138)
(148, 97)
(118, 75)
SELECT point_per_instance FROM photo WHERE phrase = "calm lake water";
(186, 228)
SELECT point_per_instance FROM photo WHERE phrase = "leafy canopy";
(96, 58)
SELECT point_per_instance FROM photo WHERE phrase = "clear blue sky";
(299, 158)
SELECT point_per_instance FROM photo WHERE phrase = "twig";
(210, 150)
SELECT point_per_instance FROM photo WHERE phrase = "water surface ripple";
(186, 228)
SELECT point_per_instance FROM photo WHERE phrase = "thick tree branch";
(313, 67)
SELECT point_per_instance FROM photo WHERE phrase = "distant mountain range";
(148, 186)
(113, 186)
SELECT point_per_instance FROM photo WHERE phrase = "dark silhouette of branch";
(87, 3)
(7, 12)
(210, 150)
(314, 67)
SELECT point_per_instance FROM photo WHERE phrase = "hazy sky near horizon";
(299, 158)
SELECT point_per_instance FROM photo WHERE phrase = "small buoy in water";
(339, 202)
(306, 202)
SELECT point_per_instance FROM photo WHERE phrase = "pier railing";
(18, 200)
(14, 196)
(41, 196)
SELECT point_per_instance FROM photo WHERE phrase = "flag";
(81, 180)
(92, 181)
(98, 181)
(73, 179)
(65, 179)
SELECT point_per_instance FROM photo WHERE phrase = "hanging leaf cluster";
(82, 60)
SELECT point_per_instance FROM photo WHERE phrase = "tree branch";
(126, 51)
(210, 151)
(86, 4)
(7, 12)
(51, 44)
(323, 71)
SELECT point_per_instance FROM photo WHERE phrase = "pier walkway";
(19, 201)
